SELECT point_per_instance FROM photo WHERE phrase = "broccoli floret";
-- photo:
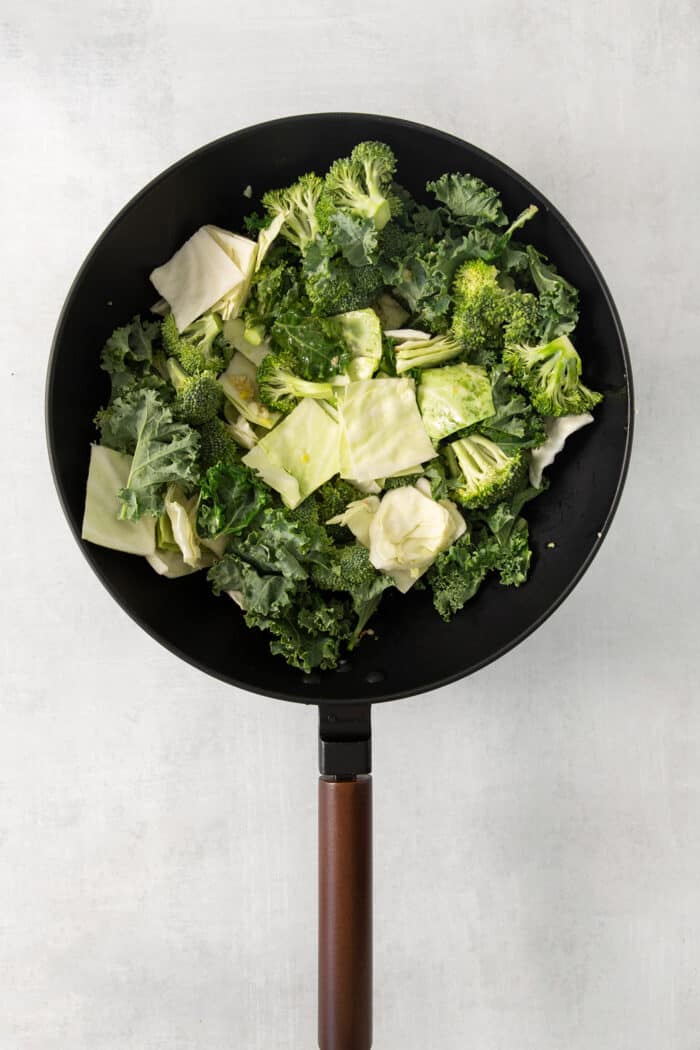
(487, 473)
(197, 348)
(425, 353)
(333, 497)
(217, 444)
(222, 349)
(338, 287)
(361, 183)
(551, 374)
(280, 389)
(306, 513)
(297, 204)
(521, 318)
(400, 481)
(199, 397)
(479, 311)
(349, 570)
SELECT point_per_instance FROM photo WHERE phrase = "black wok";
(414, 651)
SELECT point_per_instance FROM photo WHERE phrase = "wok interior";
(412, 650)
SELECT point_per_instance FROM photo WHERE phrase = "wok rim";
(524, 184)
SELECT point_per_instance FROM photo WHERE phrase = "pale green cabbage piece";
(381, 429)
(357, 517)
(241, 389)
(234, 332)
(408, 532)
(304, 447)
(243, 252)
(361, 332)
(454, 397)
(213, 267)
(558, 430)
(404, 531)
(267, 236)
(274, 475)
(182, 513)
(107, 474)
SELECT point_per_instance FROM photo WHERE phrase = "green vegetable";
(502, 547)
(521, 318)
(280, 389)
(297, 207)
(469, 200)
(240, 386)
(333, 497)
(275, 290)
(453, 397)
(486, 472)
(558, 300)
(356, 238)
(108, 473)
(419, 351)
(230, 499)
(514, 423)
(361, 183)
(217, 444)
(426, 353)
(199, 397)
(300, 454)
(182, 515)
(312, 348)
(479, 312)
(360, 333)
(335, 286)
(198, 348)
(381, 431)
(128, 353)
(163, 450)
(551, 374)
(352, 572)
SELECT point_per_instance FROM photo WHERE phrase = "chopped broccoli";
(198, 347)
(398, 481)
(337, 287)
(297, 203)
(350, 569)
(551, 374)
(280, 388)
(333, 497)
(425, 353)
(479, 311)
(521, 310)
(487, 473)
(361, 183)
(217, 444)
(199, 397)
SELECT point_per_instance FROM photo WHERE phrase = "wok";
(413, 650)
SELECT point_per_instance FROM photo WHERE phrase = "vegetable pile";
(360, 394)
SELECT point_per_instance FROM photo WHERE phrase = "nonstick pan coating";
(413, 650)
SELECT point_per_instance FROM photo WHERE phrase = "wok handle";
(345, 913)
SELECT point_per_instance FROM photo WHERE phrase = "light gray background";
(537, 826)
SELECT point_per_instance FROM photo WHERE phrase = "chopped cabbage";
(108, 473)
(381, 429)
(454, 397)
(300, 454)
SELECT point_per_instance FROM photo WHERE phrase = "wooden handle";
(345, 913)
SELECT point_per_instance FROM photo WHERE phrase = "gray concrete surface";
(538, 826)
